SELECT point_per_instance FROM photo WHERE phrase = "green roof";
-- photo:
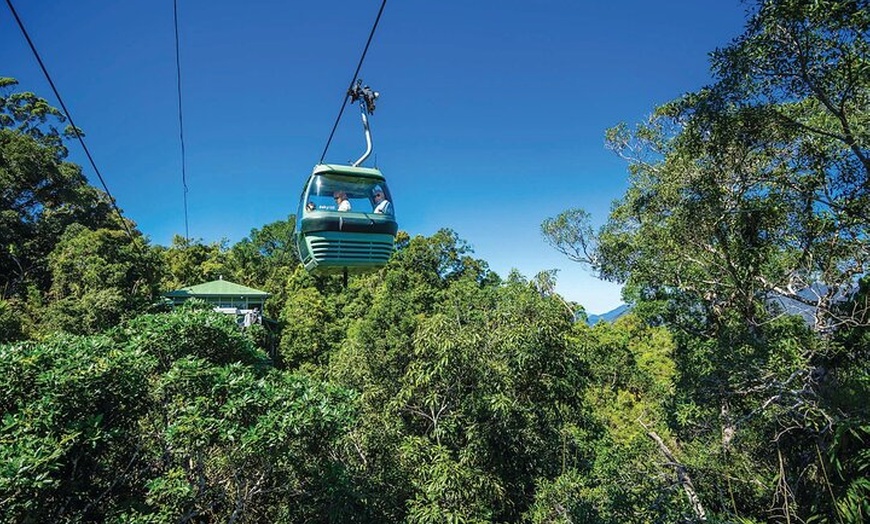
(217, 288)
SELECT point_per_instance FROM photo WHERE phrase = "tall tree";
(32, 115)
(758, 183)
(172, 418)
(190, 262)
(467, 386)
(748, 200)
(99, 277)
(41, 196)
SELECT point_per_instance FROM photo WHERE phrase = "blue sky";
(491, 117)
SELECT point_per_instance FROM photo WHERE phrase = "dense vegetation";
(437, 391)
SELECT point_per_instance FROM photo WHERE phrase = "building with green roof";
(227, 297)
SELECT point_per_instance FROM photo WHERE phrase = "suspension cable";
(353, 80)
(181, 120)
(68, 117)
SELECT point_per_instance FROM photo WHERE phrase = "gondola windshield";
(362, 195)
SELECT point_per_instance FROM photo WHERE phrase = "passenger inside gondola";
(341, 201)
(382, 205)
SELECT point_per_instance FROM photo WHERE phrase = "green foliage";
(849, 457)
(471, 393)
(306, 322)
(42, 197)
(562, 501)
(264, 260)
(754, 185)
(632, 386)
(748, 192)
(94, 311)
(232, 443)
(263, 257)
(571, 234)
(69, 427)
(189, 332)
(446, 489)
(28, 114)
(98, 278)
(10, 323)
(190, 262)
(163, 422)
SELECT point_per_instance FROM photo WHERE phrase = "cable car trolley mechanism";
(346, 221)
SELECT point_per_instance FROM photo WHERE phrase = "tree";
(467, 384)
(765, 171)
(636, 467)
(191, 262)
(306, 322)
(99, 278)
(570, 232)
(31, 115)
(266, 260)
(492, 384)
(747, 195)
(230, 444)
(41, 195)
(69, 443)
(256, 260)
(170, 417)
(10, 323)
(231, 439)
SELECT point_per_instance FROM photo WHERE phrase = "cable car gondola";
(346, 221)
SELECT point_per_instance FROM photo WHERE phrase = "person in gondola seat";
(341, 200)
(382, 205)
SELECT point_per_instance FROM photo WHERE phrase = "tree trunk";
(682, 475)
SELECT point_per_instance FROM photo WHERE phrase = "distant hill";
(610, 316)
(776, 302)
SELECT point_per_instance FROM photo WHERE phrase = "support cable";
(68, 116)
(353, 80)
(181, 120)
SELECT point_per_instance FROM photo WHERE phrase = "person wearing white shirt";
(382, 205)
(341, 200)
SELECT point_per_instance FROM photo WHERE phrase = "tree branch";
(682, 473)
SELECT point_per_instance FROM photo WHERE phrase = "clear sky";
(491, 117)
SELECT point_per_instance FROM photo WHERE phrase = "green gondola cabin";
(345, 221)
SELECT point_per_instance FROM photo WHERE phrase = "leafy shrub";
(68, 436)
(205, 334)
